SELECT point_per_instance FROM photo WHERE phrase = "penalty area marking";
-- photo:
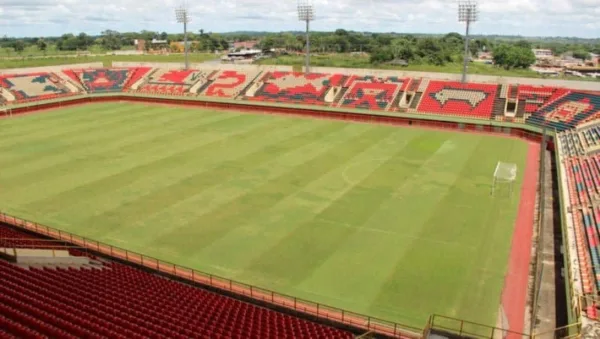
(378, 230)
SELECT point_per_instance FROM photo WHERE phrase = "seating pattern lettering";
(229, 84)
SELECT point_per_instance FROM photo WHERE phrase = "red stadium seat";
(119, 301)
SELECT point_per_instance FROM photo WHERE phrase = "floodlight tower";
(467, 13)
(306, 12)
(182, 16)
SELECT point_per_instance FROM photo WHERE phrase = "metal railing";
(470, 329)
(356, 320)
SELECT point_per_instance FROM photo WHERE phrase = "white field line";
(356, 163)
(398, 234)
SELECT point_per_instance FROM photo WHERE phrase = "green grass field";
(392, 222)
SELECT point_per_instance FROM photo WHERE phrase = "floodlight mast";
(467, 13)
(182, 16)
(306, 12)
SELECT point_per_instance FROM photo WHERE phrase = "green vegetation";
(358, 61)
(107, 60)
(109, 40)
(513, 56)
(392, 222)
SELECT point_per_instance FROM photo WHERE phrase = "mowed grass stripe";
(274, 160)
(262, 231)
(324, 238)
(360, 256)
(397, 223)
(49, 135)
(67, 170)
(124, 165)
(28, 124)
(174, 182)
(80, 144)
(218, 222)
(493, 242)
(452, 266)
(115, 149)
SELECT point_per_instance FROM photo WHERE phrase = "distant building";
(245, 54)
(595, 59)
(542, 53)
(485, 56)
(241, 45)
(139, 44)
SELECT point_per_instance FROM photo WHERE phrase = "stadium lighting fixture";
(467, 13)
(306, 12)
(182, 16)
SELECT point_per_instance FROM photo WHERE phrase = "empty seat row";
(292, 87)
(458, 99)
(123, 302)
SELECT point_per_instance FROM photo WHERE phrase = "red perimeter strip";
(514, 295)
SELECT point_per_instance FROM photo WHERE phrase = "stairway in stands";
(499, 103)
(521, 109)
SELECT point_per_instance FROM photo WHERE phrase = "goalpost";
(505, 173)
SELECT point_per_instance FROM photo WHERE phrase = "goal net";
(504, 177)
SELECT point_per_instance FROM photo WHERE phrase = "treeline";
(416, 49)
(425, 49)
(111, 40)
(381, 47)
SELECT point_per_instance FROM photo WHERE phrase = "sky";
(36, 18)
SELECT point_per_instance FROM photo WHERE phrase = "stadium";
(155, 200)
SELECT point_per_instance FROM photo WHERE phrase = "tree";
(42, 45)
(474, 49)
(433, 51)
(381, 55)
(523, 44)
(512, 56)
(19, 46)
(111, 40)
(581, 54)
(84, 41)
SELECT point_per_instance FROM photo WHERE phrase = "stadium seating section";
(583, 175)
(102, 80)
(300, 88)
(119, 301)
(371, 92)
(537, 96)
(230, 84)
(173, 81)
(136, 75)
(34, 86)
(568, 111)
(454, 98)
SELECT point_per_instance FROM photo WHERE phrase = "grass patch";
(107, 60)
(391, 222)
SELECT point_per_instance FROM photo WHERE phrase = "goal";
(504, 175)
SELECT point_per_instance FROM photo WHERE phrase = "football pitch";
(392, 222)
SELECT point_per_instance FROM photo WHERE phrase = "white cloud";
(515, 17)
